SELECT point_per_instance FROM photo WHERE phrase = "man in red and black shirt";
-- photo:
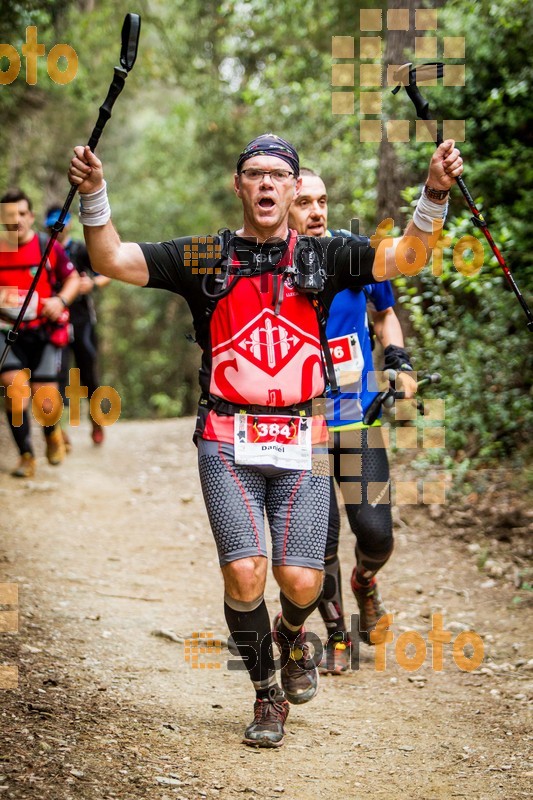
(34, 349)
(261, 370)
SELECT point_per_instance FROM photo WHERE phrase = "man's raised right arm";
(123, 261)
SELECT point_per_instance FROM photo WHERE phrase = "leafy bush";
(471, 329)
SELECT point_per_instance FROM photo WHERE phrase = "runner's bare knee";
(244, 579)
(299, 584)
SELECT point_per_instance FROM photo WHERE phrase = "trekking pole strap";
(409, 76)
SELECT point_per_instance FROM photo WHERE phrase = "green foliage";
(211, 75)
(471, 329)
(496, 103)
(148, 360)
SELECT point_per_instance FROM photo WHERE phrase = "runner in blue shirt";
(360, 464)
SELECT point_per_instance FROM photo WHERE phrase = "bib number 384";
(283, 442)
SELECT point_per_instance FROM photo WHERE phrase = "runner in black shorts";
(261, 370)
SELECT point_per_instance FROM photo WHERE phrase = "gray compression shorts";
(236, 497)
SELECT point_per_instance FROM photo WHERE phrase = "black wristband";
(436, 194)
(65, 304)
(397, 358)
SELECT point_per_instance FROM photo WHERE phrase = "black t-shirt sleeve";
(166, 266)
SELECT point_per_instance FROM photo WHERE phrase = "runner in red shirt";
(34, 349)
(261, 370)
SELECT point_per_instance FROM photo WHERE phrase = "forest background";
(212, 75)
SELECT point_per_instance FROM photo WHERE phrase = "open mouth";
(266, 203)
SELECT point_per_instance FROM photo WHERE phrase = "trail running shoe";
(299, 675)
(55, 447)
(269, 717)
(337, 651)
(371, 607)
(26, 467)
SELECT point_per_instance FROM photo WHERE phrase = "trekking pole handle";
(384, 398)
(131, 29)
(388, 397)
(408, 76)
(115, 89)
(427, 380)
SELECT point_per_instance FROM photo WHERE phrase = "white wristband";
(426, 211)
(94, 208)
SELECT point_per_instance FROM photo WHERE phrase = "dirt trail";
(115, 545)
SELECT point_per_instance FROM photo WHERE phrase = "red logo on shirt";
(259, 357)
(270, 342)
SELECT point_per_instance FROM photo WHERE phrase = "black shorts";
(33, 351)
(361, 469)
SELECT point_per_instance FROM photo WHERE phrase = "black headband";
(270, 145)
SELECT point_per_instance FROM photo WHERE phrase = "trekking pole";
(408, 76)
(128, 54)
(387, 397)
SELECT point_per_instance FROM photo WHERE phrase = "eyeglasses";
(277, 175)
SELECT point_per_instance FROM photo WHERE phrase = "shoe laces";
(297, 651)
(271, 706)
(372, 600)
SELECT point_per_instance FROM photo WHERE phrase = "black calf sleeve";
(369, 515)
(330, 605)
(369, 565)
(21, 433)
(293, 616)
(250, 630)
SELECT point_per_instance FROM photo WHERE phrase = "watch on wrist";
(436, 194)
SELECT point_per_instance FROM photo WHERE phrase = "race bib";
(347, 358)
(12, 299)
(283, 442)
